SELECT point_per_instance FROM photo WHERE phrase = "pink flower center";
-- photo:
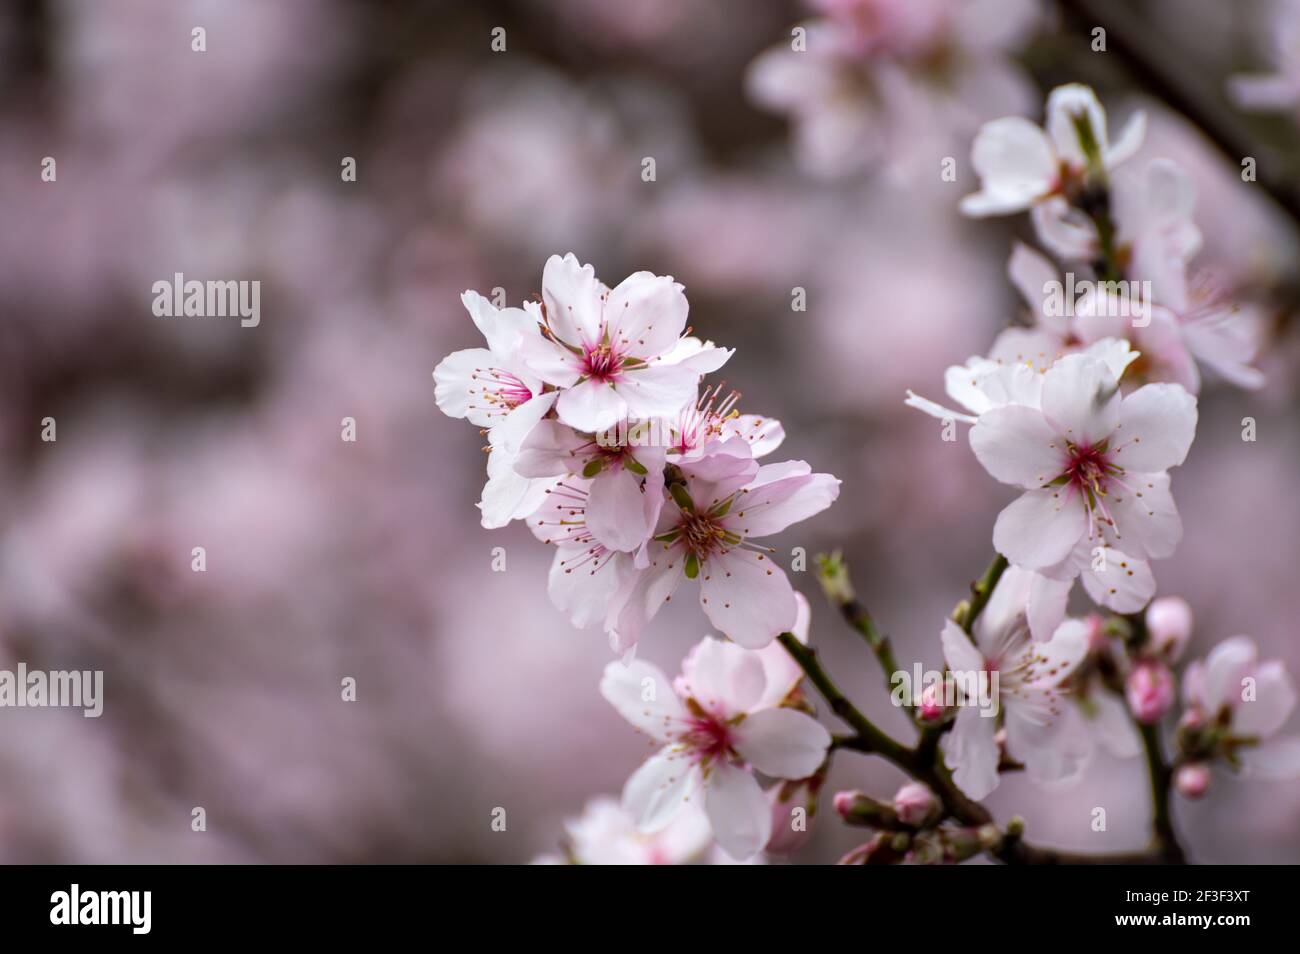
(501, 391)
(1089, 468)
(602, 363)
(703, 534)
(707, 739)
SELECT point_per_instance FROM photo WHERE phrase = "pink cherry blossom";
(724, 502)
(604, 834)
(1093, 466)
(599, 346)
(1030, 676)
(714, 731)
(1247, 701)
(1020, 164)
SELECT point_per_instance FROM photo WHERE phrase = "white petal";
(509, 434)
(1129, 140)
(642, 695)
(658, 790)
(783, 673)
(1226, 667)
(591, 406)
(1081, 397)
(506, 495)
(1157, 424)
(1054, 752)
(1014, 161)
(1125, 585)
(725, 679)
(616, 513)
(1146, 520)
(1040, 528)
(583, 581)
(643, 594)
(1275, 697)
(550, 450)
(1062, 653)
(1112, 725)
(1018, 445)
(782, 743)
(658, 390)
(645, 314)
(767, 507)
(1046, 605)
(959, 652)
(970, 749)
(502, 327)
(738, 811)
(1276, 760)
(572, 296)
(747, 597)
(764, 434)
(1064, 105)
(458, 385)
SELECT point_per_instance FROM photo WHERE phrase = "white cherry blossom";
(715, 728)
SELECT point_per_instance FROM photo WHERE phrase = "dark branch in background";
(1169, 76)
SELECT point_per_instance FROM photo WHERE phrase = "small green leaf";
(594, 467)
(692, 566)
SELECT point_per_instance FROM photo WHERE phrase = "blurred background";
(328, 559)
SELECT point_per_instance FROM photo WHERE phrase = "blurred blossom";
(895, 83)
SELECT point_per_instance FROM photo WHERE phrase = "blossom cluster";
(603, 439)
(1085, 414)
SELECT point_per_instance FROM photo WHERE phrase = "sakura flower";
(1029, 677)
(625, 494)
(585, 574)
(714, 732)
(714, 418)
(494, 389)
(604, 834)
(599, 346)
(1020, 164)
(721, 504)
(1093, 466)
(1236, 705)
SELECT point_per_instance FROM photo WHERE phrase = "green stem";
(981, 590)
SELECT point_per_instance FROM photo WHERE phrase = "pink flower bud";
(1192, 780)
(1150, 691)
(931, 708)
(1169, 625)
(794, 806)
(916, 805)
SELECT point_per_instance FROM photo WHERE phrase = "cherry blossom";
(1029, 685)
(1093, 466)
(598, 346)
(715, 730)
(494, 388)
(604, 834)
(723, 502)
(1020, 164)
(1235, 707)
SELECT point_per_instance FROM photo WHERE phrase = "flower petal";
(724, 678)
(1018, 445)
(1014, 161)
(1146, 520)
(658, 390)
(659, 789)
(1157, 423)
(572, 296)
(591, 406)
(1040, 528)
(642, 695)
(645, 315)
(738, 810)
(1125, 584)
(747, 597)
(1081, 398)
(1275, 697)
(970, 749)
(616, 513)
(782, 743)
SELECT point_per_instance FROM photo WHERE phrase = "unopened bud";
(878, 851)
(1169, 626)
(1192, 780)
(857, 808)
(931, 709)
(1150, 691)
(794, 807)
(916, 805)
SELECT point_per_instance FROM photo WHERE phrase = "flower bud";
(1169, 626)
(916, 805)
(859, 809)
(931, 710)
(1192, 780)
(878, 851)
(794, 806)
(1150, 691)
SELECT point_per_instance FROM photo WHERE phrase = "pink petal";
(642, 695)
(1146, 520)
(645, 315)
(782, 743)
(724, 678)
(659, 789)
(1018, 446)
(572, 296)
(747, 597)
(738, 811)
(1081, 398)
(591, 406)
(1040, 528)
(1157, 424)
